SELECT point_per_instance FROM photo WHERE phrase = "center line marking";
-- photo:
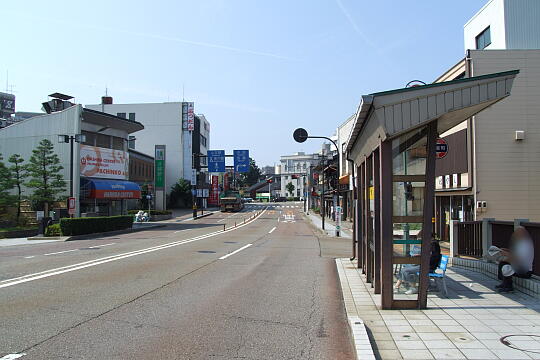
(60, 252)
(271, 231)
(235, 251)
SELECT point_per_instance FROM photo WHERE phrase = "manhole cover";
(206, 252)
(462, 339)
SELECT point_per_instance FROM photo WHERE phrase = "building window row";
(104, 141)
(140, 169)
(203, 141)
(130, 116)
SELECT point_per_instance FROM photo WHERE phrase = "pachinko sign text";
(98, 162)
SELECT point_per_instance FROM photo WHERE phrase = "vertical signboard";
(159, 176)
(216, 161)
(188, 116)
(214, 193)
(241, 161)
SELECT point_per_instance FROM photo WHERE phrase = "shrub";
(152, 212)
(91, 225)
(290, 198)
(53, 230)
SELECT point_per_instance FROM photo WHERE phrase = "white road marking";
(60, 252)
(12, 356)
(29, 257)
(95, 262)
(235, 251)
(271, 231)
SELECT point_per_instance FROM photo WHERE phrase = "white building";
(294, 169)
(163, 125)
(504, 24)
(100, 167)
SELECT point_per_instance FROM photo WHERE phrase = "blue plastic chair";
(440, 276)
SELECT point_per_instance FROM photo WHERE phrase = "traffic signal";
(294, 176)
(269, 181)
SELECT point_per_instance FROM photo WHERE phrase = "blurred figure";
(517, 261)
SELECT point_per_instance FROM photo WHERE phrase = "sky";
(256, 69)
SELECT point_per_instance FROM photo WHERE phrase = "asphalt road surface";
(265, 289)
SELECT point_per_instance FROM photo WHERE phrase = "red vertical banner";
(226, 181)
(214, 193)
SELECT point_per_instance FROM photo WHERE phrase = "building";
(294, 169)
(346, 180)
(504, 24)
(141, 168)
(172, 124)
(490, 170)
(100, 168)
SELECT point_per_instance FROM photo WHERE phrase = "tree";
(253, 175)
(181, 194)
(18, 175)
(45, 177)
(290, 188)
(6, 184)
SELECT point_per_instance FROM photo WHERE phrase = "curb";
(96, 235)
(360, 337)
(204, 215)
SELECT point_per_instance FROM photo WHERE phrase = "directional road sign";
(216, 161)
(241, 160)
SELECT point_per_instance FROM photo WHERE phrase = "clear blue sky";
(257, 69)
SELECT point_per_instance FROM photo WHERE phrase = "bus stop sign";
(441, 148)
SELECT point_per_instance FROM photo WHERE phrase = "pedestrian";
(517, 260)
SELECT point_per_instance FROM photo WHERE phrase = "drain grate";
(230, 242)
(206, 252)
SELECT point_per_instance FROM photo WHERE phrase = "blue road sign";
(216, 161)
(241, 160)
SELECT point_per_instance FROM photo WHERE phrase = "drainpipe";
(353, 167)
(470, 73)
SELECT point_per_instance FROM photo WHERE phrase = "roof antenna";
(7, 80)
(183, 92)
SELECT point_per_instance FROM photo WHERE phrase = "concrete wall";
(491, 14)
(162, 126)
(508, 171)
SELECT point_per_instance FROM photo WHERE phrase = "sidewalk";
(330, 226)
(468, 324)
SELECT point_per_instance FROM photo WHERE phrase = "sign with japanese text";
(241, 160)
(216, 161)
(159, 167)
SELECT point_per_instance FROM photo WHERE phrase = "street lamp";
(71, 139)
(300, 135)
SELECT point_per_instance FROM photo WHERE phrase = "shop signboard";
(188, 116)
(98, 162)
(159, 166)
(214, 193)
(441, 148)
(71, 206)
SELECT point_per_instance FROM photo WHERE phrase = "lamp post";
(300, 135)
(78, 138)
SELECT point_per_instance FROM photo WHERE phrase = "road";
(265, 289)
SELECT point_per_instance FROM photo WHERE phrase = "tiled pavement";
(468, 324)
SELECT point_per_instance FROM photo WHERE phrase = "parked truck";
(231, 201)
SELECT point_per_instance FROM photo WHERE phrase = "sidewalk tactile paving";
(468, 324)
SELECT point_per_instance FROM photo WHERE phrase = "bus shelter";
(393, 147)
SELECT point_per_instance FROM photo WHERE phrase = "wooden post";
(377, 221)
(386, 203)
(429, 203)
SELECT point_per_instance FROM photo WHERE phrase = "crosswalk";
(257, 206)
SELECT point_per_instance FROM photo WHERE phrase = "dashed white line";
(60, 252)
(235, 251)
(95, 262)
(272, 230)
(12, 356)
(29, 257)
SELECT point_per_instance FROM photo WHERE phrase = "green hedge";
(53, 230)
(91, 225)
(152, 212)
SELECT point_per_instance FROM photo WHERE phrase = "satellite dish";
(300, 135)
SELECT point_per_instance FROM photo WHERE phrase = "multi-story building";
(100, 178)
(164, 125)
(491, 170)
(294, 169)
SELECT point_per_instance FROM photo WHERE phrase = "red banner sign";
(213, 199)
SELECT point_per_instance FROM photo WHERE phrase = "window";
(203, 161)
(203, 141)
(131, 142)
(117, 143)
(90, 138)
(483, 39)
(131, 116)
(103, 141)
(122, 115)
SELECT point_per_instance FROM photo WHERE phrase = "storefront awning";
(386, 115)
(109, 189)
